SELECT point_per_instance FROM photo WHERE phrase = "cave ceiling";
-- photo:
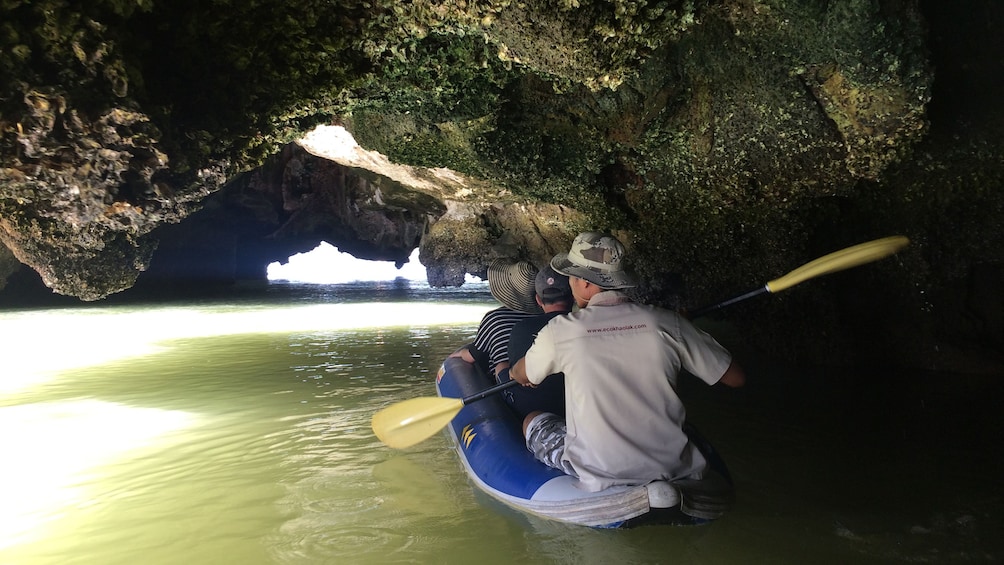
(725, 142)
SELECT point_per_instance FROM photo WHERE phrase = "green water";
(239, 433)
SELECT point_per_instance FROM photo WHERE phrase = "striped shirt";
(493, 335)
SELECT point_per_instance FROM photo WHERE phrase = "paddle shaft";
(489, 391)
(830, 263)
(702, 311)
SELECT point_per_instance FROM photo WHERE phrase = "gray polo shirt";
(621, 362)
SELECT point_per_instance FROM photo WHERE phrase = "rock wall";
(726, 141)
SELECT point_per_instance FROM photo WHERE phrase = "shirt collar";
(608, 298)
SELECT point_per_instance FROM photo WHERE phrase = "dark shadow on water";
(885, 465)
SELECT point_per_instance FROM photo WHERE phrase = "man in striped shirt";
(513, 284)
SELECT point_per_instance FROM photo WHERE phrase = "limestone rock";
(726, 142)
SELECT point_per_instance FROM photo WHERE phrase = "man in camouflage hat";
(621, 360)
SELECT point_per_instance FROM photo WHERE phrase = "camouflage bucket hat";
(597, 258)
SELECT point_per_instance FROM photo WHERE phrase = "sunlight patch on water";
(50, 449)
(41, 344)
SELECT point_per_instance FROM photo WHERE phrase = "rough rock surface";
(729, 141)
(299, 198)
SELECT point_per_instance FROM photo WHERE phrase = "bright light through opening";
(327, 265)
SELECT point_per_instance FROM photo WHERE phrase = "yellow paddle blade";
(840, 260)
(406, 423)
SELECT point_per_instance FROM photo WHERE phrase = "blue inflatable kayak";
(488, 437)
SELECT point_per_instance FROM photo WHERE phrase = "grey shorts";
(545, 438)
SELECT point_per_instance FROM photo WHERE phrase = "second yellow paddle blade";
(406, 423)
(840, 260)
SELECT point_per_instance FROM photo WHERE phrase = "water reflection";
(194, 433)
(165, 434)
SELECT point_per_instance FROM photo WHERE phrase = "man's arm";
(464, 354)
(518, 373)
(734, 376)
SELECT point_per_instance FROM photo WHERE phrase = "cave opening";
(325, 264)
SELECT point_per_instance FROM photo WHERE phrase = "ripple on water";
(381, 514)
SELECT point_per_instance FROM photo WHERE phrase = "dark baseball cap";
(552, 284)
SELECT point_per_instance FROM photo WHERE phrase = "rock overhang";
(728, 141)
